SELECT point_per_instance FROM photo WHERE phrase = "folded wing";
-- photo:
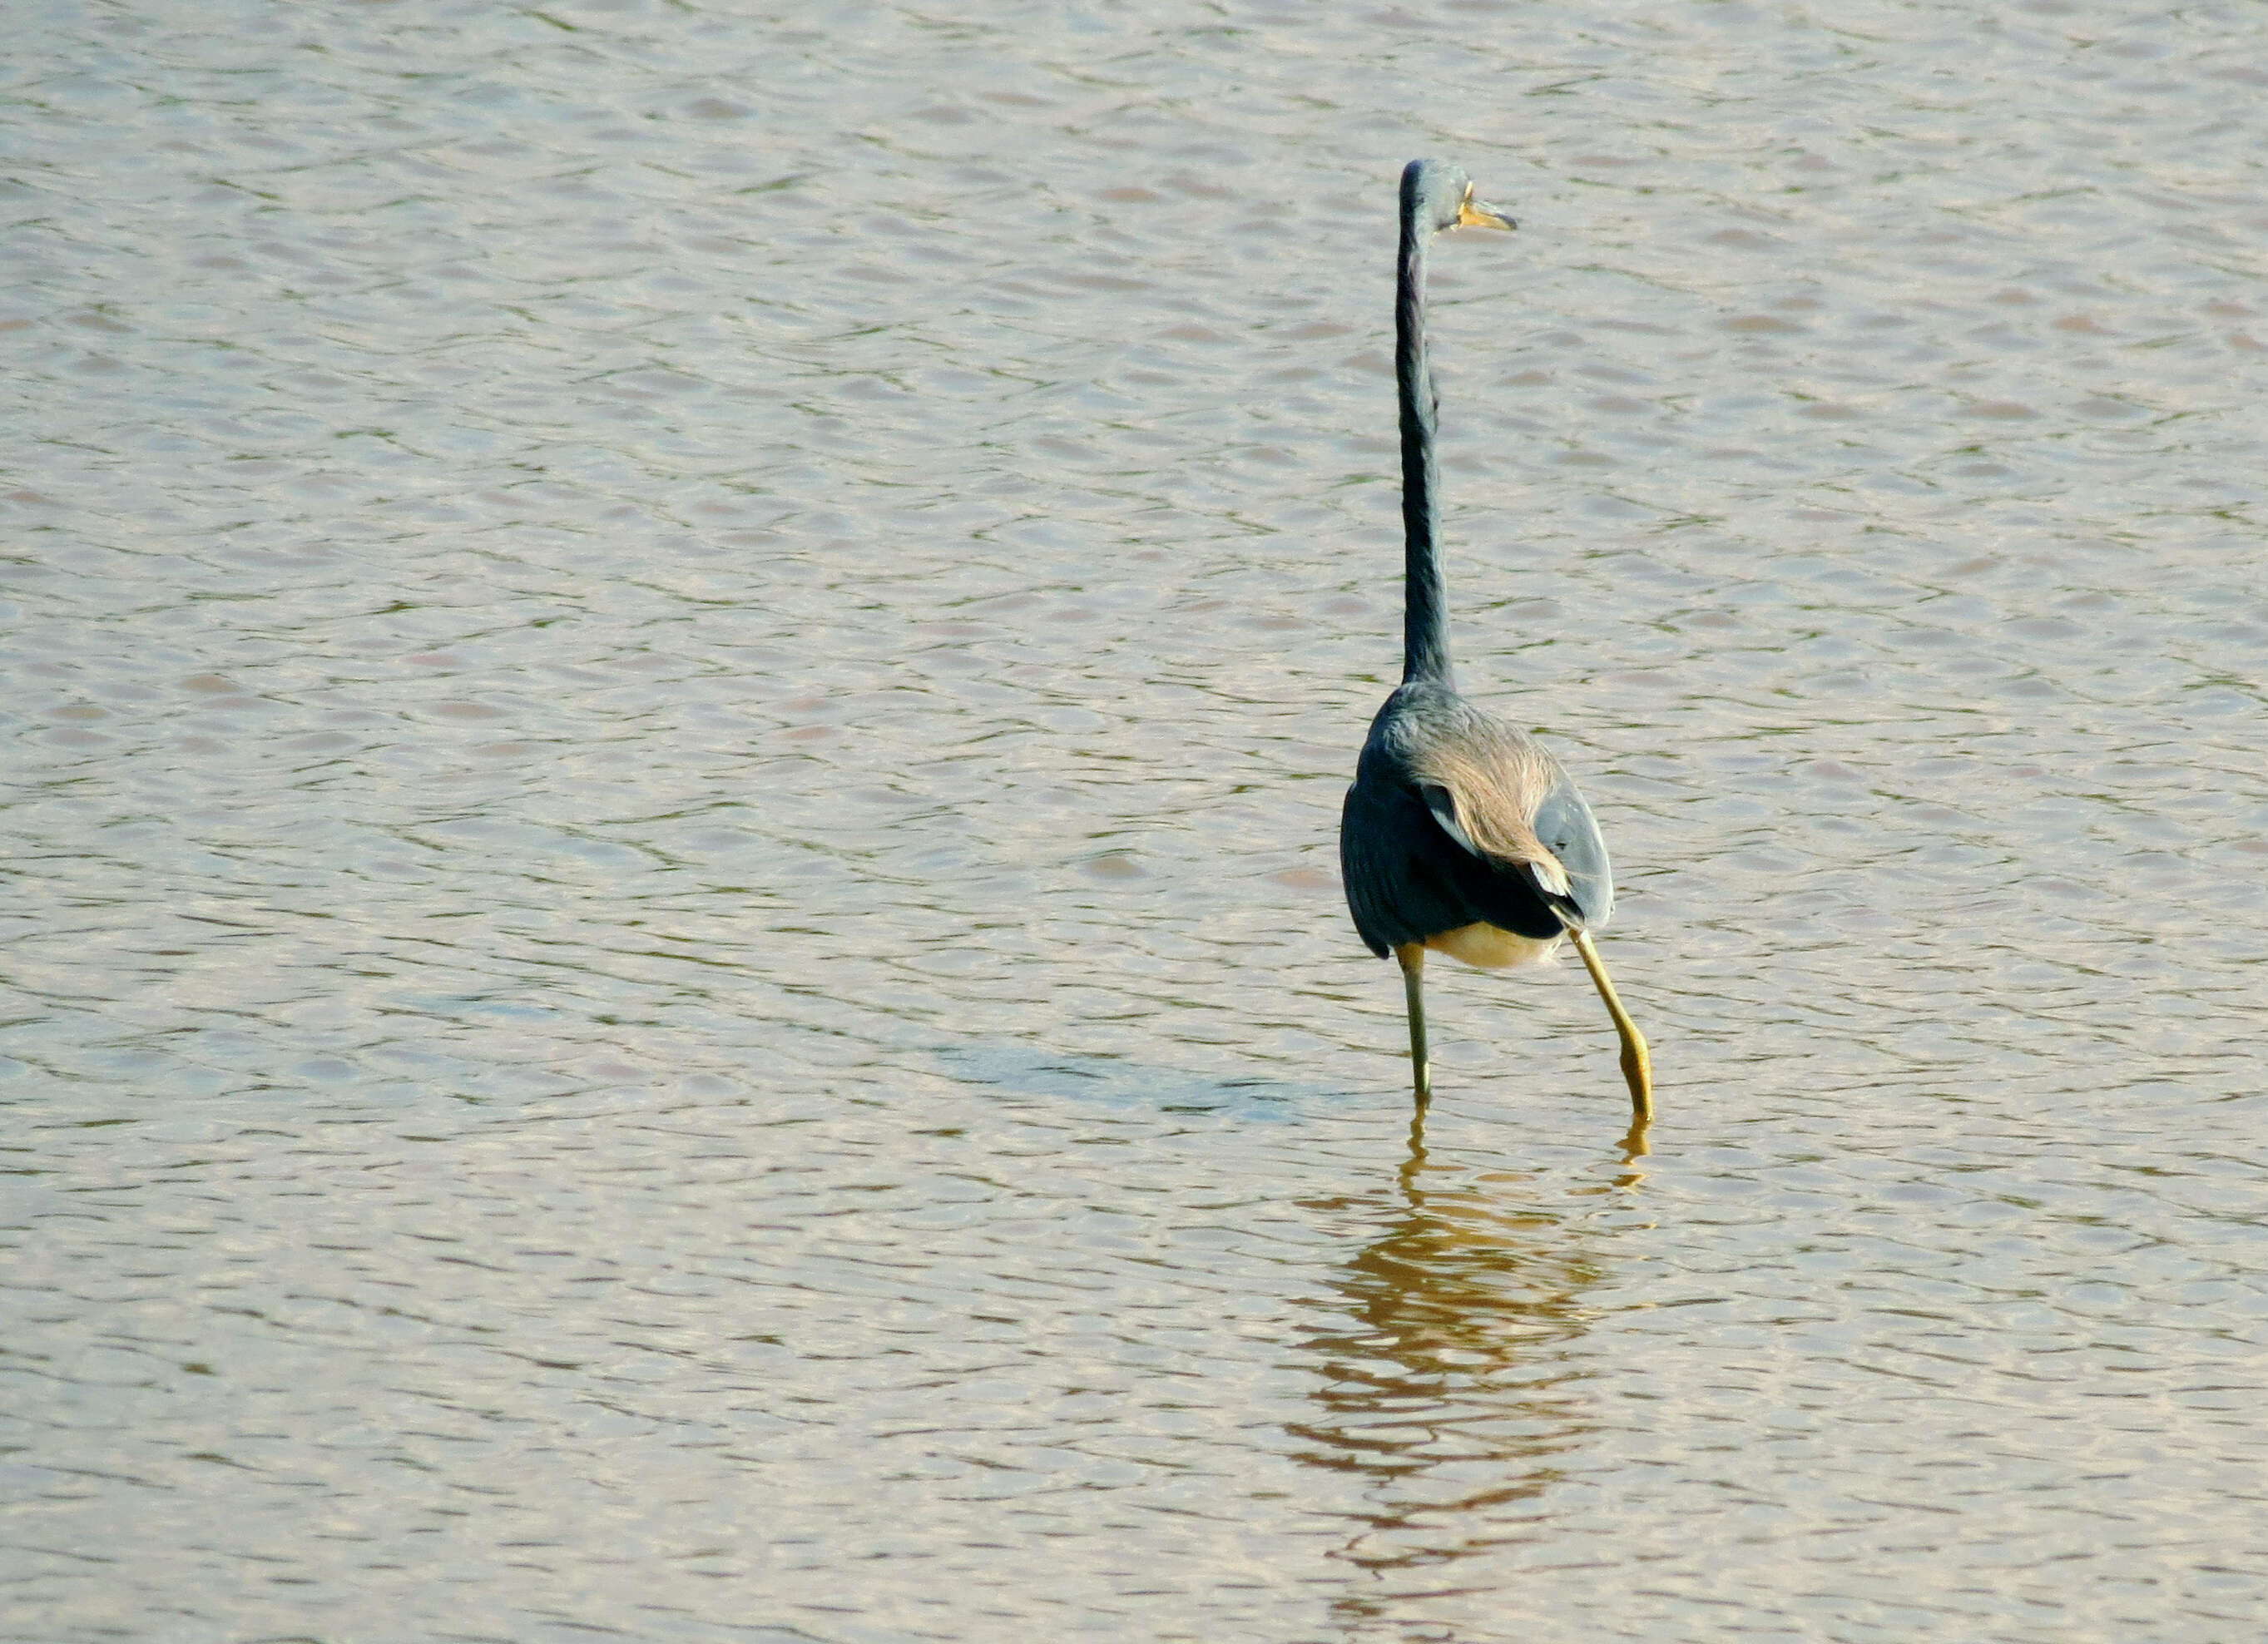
(1412, 871)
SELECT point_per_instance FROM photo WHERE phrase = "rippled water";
(681, 676)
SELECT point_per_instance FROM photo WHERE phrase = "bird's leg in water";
(1637, 1066)
(1412, 956)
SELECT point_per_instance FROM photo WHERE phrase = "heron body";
(1461, 833)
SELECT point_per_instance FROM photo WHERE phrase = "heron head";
(1441, 196)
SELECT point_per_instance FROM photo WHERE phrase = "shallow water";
(680, 681)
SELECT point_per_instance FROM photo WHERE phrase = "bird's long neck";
(1424, 610)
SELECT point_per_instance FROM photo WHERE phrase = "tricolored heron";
(1461, 833)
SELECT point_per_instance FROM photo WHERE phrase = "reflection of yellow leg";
(1412, 956)
(1634, 1148)
(1416, 1163)
(1637, 1066)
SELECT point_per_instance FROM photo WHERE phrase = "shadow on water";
(1123, 1086)
(1447, 1381)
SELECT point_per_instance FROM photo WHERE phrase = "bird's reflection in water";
(1448, 1377)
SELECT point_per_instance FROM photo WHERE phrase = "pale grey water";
(679, 681)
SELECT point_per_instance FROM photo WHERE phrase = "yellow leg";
(1412, 956)
(1637, 1066)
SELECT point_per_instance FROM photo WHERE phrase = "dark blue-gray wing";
(1407, 878)
(1393, 892)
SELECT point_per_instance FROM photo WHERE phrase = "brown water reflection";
(1448, 1386)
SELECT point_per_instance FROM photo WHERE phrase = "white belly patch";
(1490, 949)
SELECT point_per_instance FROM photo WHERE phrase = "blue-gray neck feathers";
(1425, 615)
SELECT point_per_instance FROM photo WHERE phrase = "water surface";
(680, 680)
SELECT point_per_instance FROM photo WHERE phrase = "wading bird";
(1460, 833)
